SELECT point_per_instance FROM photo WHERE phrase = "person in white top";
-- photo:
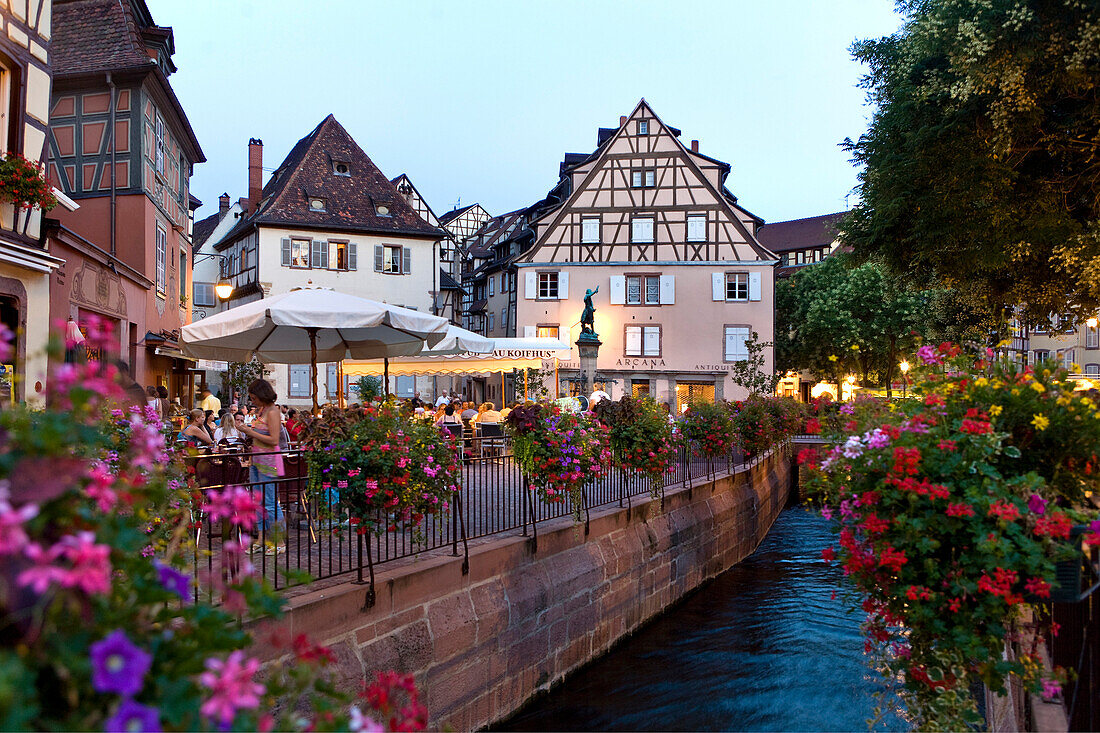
(443, 400)
(229, 429)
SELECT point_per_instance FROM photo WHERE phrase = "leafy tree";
(368, 387)
(238, 376)
(752, 373)
(982, 161)
(835, 319)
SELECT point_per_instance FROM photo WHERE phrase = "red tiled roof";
(351, 201)
(95, 35)
(813, 231)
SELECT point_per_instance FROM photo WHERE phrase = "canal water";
(762, 647)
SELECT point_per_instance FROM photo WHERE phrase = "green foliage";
(388, 469)
(238, 376)
(709, 425)
(952, 510)
(368, 388)
(561, 452)
(752, 373)
(641, 436)
(836, 319)
(980, 161)
(22, 183)
(760, 422)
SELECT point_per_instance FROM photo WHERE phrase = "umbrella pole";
(502, 388)
(313, 366)
(555, 377)
(525, 385)
(386, 377)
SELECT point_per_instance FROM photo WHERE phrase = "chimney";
(255, 173)
(244, 204)
(223, 205)
(695, 146)
(622, 120)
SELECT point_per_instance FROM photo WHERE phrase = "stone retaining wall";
(482, 644)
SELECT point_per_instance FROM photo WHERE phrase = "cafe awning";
(508, 354)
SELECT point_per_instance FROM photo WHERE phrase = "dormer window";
(341, 168)
(316, 204)
(382, 210)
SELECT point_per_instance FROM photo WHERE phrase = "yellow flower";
(995, 410)
(855, 347)
(832, 357)
(981, 382)
(1038, 387)
(1015, 391)
(1063, 400)
(1040, 421)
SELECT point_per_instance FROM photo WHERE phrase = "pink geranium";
(91, 569)
(231, 687)
(13, 538)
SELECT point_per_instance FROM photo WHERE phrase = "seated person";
(195, 431)
(488, 413)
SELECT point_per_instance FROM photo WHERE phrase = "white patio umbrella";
(460, 341)
(314, 324)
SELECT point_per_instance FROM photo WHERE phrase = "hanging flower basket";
(22, 184)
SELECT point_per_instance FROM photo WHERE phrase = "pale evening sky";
(479, 101)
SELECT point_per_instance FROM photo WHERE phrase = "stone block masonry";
(482, 644)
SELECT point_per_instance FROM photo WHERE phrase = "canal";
(763, 647)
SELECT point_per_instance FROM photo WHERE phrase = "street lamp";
(223, 289)
(1091, 323)
(904, 376)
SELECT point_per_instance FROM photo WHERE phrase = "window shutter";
(633, 340)
(529, 332)
(406, 260)
(590, 231)
(563, 286)
(333, 255)
(668, 289)
(530, 285)
(652, 341)
(325, 261)
(618, 290)
(754, 286)
(315, 255)
(378, 258)
(718, 286)
(286, 251)
(353, 256)
(697, 228)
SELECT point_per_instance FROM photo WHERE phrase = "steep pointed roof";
(351, 200)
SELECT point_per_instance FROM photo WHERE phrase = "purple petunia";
(131, 716)
(1037, 504)
(173, 580)
(118, 665)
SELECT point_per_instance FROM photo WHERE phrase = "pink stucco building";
(682, 279)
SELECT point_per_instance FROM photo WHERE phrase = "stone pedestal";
(588, 347)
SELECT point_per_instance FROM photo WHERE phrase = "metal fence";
(321, 543)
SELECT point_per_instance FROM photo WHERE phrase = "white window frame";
(590, 230)
(1092, 370)
(491, 293)
(634, 236)
(202, 295)
(394, 252)
(741, 335)
(737, 280)
(548, 286)
(549, 332)
(650, 176)
(162, 260)
(644, 335)
(643, 127)
(159, 131)
(700, 222)
(1092, 337)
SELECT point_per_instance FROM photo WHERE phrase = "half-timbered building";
(681, 279)
(801, 242)
(25, 266)
(327, 217)
(121, 146)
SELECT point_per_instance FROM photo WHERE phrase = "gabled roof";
(446, 282)
(404, 179)
(813, 231)
(202, 230)
(351, 201)
(95, 35)
(562, 193)
(455, 213)
(492, 232)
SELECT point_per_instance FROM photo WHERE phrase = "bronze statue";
(588, 315)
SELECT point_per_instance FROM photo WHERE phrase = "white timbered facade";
(682, 279)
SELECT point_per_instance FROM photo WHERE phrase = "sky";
(479, 101)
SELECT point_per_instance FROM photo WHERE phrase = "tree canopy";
(982, 162)
(834, 319)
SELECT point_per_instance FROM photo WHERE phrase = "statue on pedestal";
(588, 317)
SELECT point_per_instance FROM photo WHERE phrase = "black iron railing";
(314, 540)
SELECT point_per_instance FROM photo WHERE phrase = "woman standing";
(267, 462)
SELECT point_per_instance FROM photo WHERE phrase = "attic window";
(341, 168)
(316, 204)
(382, 210)
(643, 127)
